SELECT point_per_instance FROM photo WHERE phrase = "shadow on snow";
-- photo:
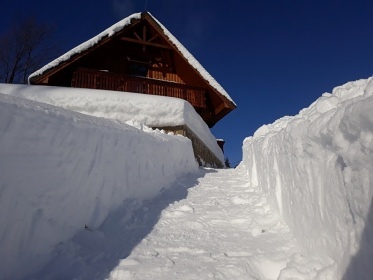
(93, 253)
(360, 266)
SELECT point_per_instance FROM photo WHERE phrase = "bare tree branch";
(24, 49)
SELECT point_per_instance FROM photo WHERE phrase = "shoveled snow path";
(223, 230)
(209, 225)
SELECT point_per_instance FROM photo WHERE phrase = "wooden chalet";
(138, 54)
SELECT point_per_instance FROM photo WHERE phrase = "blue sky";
(273, 57)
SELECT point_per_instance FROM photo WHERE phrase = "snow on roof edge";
(87, 44)
(193, 61)
(119, 26)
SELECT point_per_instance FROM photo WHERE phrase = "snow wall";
(61, 170)
(317, 168)
(151, 110)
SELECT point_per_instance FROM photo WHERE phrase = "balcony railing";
(87, 78)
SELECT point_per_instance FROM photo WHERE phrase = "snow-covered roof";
(194, 62)
(118, 27)
(87, 44)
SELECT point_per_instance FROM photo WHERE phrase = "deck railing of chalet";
(87, 78)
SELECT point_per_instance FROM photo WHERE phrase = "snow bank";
(317, 168)
(151, 110)
(61, 170)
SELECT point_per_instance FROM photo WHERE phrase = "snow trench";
(62, 171)
(316, 168)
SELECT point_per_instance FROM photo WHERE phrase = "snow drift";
(316, 167)
(61, 170)
(151, 110)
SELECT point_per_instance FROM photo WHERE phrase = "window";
(138, 67)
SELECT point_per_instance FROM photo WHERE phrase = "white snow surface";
(209, 225)
(119, 26)
(122, 107)
(61, 170)
(317, 169)
(299, 206)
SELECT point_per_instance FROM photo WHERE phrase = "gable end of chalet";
(138, 54)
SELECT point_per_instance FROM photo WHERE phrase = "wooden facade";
(88, 78)
(139, 58)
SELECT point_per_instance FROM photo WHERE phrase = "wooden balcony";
(88, 78)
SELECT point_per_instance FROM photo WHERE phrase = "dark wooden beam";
(137, 36)
(144, 37)
(220, 108)
(154, 37)
(146, 43)
(144, 33)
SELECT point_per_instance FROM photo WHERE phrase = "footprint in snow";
(257, 231)
(193, 225)
(239, 200)
(128, 262)
(240, 221)
(186, 208)
(173, 214)
(178, 212)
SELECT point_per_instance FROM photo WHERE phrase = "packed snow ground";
(210, 225)
(299, 206)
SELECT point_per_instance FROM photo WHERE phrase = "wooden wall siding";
(154, 73)
(87, 78)
(202, 153)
